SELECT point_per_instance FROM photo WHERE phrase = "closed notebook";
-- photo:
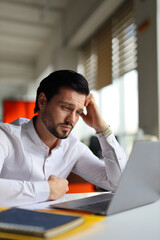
(34, 223)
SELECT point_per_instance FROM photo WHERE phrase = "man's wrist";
(106, 132)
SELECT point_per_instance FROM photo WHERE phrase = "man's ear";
(42, 101)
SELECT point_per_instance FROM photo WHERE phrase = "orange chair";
(81, 188)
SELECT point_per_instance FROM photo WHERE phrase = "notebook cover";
(34, 223)
(89, 221)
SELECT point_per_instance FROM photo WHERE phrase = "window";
(119, 107)
(109, 62)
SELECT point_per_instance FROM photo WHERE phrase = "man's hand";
(58, 187)
(93, 117)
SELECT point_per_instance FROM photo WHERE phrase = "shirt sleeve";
(102, 173)
(18, 193)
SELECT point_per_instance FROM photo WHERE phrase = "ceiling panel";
(25, 27)
(8, 28)
(28, 14)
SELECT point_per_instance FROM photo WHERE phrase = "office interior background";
(114, 43)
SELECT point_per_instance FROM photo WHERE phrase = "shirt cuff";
(108, 141)
(42, 191)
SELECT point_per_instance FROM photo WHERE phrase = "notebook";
(139, 184)
(34, 223)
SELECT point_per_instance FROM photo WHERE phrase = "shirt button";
(119, 158)
(46, 160)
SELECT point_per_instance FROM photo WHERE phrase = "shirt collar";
(35, 137)
(33, 134)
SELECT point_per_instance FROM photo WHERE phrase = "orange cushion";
(81, 188)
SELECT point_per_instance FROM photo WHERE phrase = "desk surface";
(141, 223)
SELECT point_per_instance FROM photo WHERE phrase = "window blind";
(88, 63)
(104, 56)
(112, 51)
(124, 40)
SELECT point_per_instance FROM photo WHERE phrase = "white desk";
(142, 223)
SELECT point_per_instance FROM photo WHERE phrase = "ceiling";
(25, 25)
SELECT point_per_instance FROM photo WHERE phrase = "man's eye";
(66, 108)
(79, 113)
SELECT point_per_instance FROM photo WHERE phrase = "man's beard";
(53, 128)
(60, 134)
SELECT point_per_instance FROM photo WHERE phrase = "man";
(36, 156)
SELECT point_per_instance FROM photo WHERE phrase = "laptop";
(139, 184)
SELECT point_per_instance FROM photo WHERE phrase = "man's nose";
(71, 117)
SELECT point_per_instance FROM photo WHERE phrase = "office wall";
(158, 58)
(146, 16)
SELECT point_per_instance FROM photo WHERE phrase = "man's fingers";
(51, 177)
(88, 99)
(58, 187)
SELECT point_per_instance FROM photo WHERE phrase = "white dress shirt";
(25, 163)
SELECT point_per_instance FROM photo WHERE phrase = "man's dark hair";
(52, 84)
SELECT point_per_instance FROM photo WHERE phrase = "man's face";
(62, 112)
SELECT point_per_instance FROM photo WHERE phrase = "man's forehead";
(70, 94)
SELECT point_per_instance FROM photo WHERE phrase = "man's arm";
(107, 139)
(15, 191)
(19, 190)
(18, 193)
(105, 174)
(102, 173)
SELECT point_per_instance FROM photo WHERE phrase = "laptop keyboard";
(98, 206)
